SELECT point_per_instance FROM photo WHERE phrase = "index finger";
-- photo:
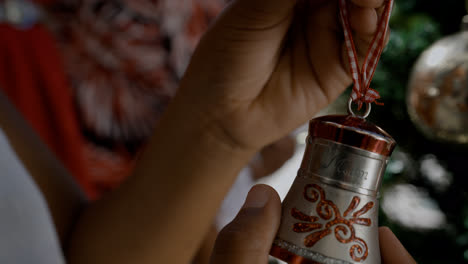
(391, 249)
(368, 3)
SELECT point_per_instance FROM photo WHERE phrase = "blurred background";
(422, 79)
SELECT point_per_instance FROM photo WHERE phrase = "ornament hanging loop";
(362, 75)
(363, 116)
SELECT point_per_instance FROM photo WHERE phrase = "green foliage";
(411, 33)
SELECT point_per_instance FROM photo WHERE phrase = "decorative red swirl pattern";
(343, 225)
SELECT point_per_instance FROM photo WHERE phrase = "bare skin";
(248, 238)
(264, 68)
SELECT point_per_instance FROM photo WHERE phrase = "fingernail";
(257, 198)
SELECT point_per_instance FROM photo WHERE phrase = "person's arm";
(162, 212)
(136, 212)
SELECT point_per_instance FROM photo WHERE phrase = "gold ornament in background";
(438, 89)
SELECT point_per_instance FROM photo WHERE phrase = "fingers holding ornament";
(365, 20)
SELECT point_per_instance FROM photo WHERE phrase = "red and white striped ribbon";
(362, 93)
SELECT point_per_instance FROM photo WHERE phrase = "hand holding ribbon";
(362, 77)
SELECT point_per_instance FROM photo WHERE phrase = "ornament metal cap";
(331, 211)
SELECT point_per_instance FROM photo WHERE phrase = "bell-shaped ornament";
(330, 214)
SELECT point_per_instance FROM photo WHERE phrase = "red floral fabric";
(124, 60)
(120, 63)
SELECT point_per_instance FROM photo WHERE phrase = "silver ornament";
(438, 89)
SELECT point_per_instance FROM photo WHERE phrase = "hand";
(272, 157)
(250, 235)
(264, 68)
(391, 249)
(267, 66)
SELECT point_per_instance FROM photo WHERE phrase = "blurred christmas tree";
(424, 192)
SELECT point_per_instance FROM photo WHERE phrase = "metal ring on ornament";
(351, 112)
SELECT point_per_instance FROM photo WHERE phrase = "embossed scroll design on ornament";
(342, 226)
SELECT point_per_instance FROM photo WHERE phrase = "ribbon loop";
(362, 78)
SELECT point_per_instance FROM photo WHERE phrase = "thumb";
(248, 238)
(391, 249)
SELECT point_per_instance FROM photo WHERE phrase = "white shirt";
(27, 234)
